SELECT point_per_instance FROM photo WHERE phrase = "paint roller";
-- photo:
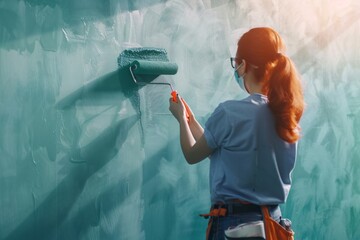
(145, 68)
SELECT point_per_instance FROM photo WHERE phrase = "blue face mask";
(240, 81)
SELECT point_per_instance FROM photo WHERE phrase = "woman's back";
(250, 161)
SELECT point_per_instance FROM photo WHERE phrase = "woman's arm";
(193, 150)
(195, 127)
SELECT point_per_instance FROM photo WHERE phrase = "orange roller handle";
(174, 96)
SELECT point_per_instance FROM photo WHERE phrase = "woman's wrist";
(190, 119)
(183, 119)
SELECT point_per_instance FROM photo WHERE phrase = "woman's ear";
(242, 68)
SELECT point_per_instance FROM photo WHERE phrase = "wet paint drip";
(124, 60)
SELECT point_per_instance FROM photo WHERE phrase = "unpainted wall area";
(107, 164)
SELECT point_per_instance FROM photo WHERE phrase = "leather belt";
(236, 208)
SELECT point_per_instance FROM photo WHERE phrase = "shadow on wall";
(107, 201)
(103, 5)
(44, 224)
(115, 81)
(45, 220)
(22, 23)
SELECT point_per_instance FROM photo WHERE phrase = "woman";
(251, 143)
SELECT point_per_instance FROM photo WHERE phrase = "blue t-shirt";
(250, 161)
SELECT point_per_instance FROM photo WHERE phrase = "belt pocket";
(246, 230)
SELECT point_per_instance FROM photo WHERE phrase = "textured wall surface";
(109, 164)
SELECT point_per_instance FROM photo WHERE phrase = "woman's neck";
(253, 85)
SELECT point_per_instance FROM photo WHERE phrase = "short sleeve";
(216, 128)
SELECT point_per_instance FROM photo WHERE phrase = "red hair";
(262, 47)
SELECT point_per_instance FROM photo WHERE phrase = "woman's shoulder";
(244, 108)
(229, 105)
(235, 103)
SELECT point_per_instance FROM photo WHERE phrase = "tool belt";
(273, 229)
(222, 210)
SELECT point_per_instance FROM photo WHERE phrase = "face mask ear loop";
(239, 66)
(238, 73)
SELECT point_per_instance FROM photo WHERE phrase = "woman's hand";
(189, 114)
(178, 109)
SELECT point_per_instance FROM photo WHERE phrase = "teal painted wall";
(109, 166)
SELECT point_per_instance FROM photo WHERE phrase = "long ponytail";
(262, 48)
(285, 95)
